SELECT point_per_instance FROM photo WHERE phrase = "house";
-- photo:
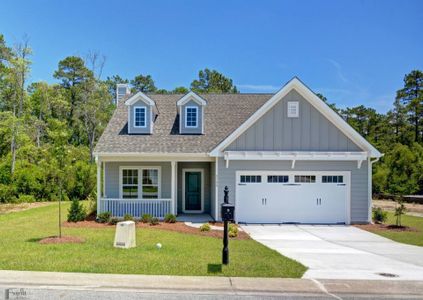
(286, 157)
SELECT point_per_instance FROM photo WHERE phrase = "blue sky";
(353, 52)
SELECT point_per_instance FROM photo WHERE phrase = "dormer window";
(140, 117)
(191, 113)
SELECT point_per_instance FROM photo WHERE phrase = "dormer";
(141, 114)
(191, 114)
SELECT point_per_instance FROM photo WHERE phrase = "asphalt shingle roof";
(223, 114)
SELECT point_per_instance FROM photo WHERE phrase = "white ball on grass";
(159, 246)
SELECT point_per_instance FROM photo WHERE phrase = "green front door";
(193, 191)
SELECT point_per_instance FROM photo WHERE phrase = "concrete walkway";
(29, 281)
(342, 252)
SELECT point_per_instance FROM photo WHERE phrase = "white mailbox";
(125, 235)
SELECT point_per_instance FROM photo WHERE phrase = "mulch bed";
(384, 227)
(62, 240)
(176, 227)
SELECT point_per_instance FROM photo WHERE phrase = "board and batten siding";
(112, 174)
(359, 186)
(148, 115)
(207, 183)
(311, 131)
(198, 129)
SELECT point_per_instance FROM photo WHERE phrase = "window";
(150, 183)
(129, 183)
(191, 116)
(250, 179)
(305, 178)
(332, 179)
(293, 109)
(140, 117)
(277, 179)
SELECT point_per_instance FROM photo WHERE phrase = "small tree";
(399, 211)
(76, 211)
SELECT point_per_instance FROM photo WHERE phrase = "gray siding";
(112, 177)
(359, 179)
(185, 130)
(149, 116)
(207, 183)
(311, 131)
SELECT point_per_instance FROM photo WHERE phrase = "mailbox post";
(227, 216)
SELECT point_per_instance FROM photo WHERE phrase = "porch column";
(98, 161)
(173, 185)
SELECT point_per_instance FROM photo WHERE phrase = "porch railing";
(136, 207)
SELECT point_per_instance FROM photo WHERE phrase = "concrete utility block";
(125, 235)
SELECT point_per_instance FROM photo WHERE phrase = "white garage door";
(292, 197)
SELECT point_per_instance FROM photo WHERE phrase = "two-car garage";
(292, 197)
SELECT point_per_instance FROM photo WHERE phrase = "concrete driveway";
(341, 252)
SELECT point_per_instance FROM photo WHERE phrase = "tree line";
(48, 131)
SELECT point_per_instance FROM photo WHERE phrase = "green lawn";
(407, 237)
(182, 254)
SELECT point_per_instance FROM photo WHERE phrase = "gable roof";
(166, 138)
(139, 96)
(315, 101)
(191, 96)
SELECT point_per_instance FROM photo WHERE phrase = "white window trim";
(196, 116)
(140, 185)
(296, 104)
(159, 181)
(145, 116)
(202, 191)
(121, 168)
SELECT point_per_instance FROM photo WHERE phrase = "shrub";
(205, 227)
(154, 221)
(76, 211)
(113, 221)
(170, 218)
(146, 218)
(128, 217)
(233, 230)
(26, 198)
(104, 217)
(7, 193)
(379, 215)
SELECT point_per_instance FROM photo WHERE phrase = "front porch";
(156, 188)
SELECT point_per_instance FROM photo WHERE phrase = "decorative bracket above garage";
(359, 157)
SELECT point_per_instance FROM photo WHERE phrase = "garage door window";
(332, 179)
(305, 178)
(277, 179)
(250, 179)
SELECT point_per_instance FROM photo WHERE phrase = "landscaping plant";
(170, 218)
(113, 221)
(399, 211)
(154, 221)
(379, 215)
(77, 211)
(128, 217)
(205, 227)
(146, 218)
(233, 230)
(104, 217)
